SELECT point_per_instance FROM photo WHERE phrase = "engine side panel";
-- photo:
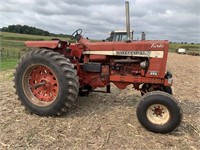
(123, 61)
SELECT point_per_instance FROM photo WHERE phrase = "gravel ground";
(105, 121)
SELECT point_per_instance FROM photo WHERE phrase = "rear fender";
(55, 44)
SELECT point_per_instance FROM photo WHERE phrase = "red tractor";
(49, 79)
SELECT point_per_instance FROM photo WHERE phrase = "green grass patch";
(23, 38)
(6, 64)
(12, 44)
(189, 47)
(10, 54)
(26, 37)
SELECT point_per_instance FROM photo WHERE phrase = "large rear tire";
(46, 82)
(159, 112)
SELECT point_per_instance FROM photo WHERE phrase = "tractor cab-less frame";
(49, 79)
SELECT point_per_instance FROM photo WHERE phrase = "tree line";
(29, 30)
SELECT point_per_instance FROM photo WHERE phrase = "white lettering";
(157, 45)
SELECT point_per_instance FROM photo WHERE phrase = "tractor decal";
(152, 54)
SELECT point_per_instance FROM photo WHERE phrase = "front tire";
(46, 82)
(159, 112)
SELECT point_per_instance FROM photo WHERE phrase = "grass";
(10, 43)
(6, 64)
(189, 47)
(25, 37)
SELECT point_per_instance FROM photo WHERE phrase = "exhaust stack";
(127, 20)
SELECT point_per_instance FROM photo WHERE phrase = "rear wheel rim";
(40, 85)
(158, 114)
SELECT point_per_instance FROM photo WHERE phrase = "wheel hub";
(42, 83)
(158, 114)
(158, 111)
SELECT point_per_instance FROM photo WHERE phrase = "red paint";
(49, 90)
(44, 44)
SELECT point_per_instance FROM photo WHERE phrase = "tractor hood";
(125, 46)
(148, 48)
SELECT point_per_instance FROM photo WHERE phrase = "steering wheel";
(76, 34)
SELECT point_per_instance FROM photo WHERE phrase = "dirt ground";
(105, 121)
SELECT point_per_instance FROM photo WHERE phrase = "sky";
(173, 20)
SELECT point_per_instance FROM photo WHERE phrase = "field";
(105, 121)
(100, 121)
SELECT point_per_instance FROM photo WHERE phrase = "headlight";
(144, 64)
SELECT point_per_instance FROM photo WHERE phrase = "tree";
(30, 30)
(25, 30)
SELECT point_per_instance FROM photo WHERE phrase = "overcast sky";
(174, 20)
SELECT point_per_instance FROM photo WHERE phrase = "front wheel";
(46, 82)
(159, 112)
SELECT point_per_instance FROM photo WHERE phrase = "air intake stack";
(143, 36)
